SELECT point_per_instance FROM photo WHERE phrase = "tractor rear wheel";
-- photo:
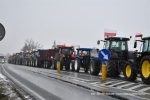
(145, 69)
(130, 72)
(112, 69)
(55, 65)
(73, 66)
(78, 66)
(67, 66)
(94, 68)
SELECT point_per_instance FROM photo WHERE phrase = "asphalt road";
(46, 88)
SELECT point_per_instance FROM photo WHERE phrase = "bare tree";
(31, 45)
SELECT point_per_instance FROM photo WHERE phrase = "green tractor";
(121, 58)
(143, 60)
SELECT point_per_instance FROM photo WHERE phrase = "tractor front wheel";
(94, 68)
(145, 69)
(130, 72)
(112, 69)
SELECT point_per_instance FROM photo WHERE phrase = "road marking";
(78, 80)
(134, 87)
(144, 89)
(117, 83)
(108, 82)
(125, 85)
(95, 83)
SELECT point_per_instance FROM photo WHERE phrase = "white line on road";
(125, 85)
(95, 83)
(117, 83)
(144, 89)
(134, 87)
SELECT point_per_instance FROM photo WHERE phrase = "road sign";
(104, 55)
(2, 31)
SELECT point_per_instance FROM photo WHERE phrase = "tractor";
(66, 56)
(83, 58)
(143, 60)
(121, 58)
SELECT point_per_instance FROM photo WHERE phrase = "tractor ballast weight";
(83, 58)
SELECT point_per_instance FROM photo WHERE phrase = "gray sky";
(77, 22)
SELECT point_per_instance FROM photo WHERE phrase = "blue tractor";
(83, 59)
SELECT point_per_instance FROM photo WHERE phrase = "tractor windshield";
(118, 45)
(67, 50)
(146, 45)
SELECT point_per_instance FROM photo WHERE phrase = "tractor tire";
(94, 68)
(130, 71)
(67, 66)
(87, 64)
(145, 69)
(61, 65)
(73, 66)
(55, 65)
(112, 69)
(78, 66)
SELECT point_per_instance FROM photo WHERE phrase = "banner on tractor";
(138, 35)
(109, 34)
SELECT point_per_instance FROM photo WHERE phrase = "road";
(46, 84)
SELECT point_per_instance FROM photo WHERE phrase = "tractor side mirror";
(135, 44)
(98, 42)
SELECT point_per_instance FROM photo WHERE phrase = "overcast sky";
(74, 22)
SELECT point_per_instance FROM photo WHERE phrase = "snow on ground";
(8, 89)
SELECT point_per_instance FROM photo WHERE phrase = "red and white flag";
(109, 33)
(138, 35)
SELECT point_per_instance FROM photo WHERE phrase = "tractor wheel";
(73, 66)
(130, 72)
(78, 66)
(67, 65)
(86, 69)
(112, 69)
(55, 65)
(94, 68)
(61, 65)
(145, 69)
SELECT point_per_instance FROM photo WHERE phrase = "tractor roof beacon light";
(2, 32)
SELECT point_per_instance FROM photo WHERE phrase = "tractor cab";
(66, 51)
(118, 46)
(146, 45)
(83, 52)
